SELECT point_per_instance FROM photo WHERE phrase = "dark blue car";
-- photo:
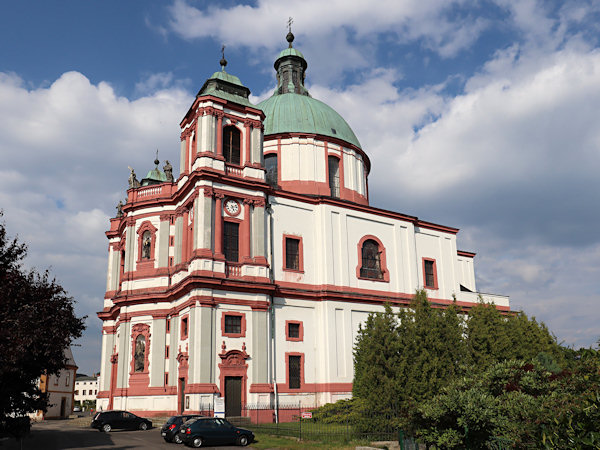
(214, 431)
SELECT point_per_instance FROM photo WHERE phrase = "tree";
(402, 359)
(37, 324)
(377, 360)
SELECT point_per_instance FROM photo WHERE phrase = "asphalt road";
(60, 434)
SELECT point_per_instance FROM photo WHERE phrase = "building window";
(271, 169)
(184, 327)
(333, 164)
(294, 371)
(233, 324)
(68, 380)
(95, 392)
(83, 392)
(231, 145)
(76, 392)
(429, 273)
(294, 330)
(231, 241)
(371, 260)
(293, 253)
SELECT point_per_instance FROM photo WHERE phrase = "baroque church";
(246, 276)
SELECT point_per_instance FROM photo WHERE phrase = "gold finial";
(290, 36)
(223, 61)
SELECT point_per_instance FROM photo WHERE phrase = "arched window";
(231, 145)
(333, 164)
(271, 166)
(371, 260)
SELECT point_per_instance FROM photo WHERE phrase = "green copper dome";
(294, 113)
(291, 109)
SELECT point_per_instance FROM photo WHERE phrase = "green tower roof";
(226, 86)
(291, 109)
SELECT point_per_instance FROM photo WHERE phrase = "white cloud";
(335, 35)
(65, 151)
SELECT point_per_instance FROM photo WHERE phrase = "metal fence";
(292, 420)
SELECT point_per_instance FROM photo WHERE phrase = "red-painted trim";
(142, 329)
(139, 381)
(146, 226)
(184, 333)
(243, 324)
(239, 207)
(382, 259)
(245, 233)
(261, 388)
(465, 254)
(300, 269)
(435, 277)
(300, 337)
(182, 374)
(287, 371)
(234, 365)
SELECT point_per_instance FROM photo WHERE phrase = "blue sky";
(479, 115)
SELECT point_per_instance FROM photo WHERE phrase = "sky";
(480, 115)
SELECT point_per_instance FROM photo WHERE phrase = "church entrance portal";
(233, 396)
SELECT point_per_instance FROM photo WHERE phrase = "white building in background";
(248, 275)
(86, 388)
(60, 388)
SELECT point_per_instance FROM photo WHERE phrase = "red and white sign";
(307, 415)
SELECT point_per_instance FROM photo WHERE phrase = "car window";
(127, 415)
(172, 420)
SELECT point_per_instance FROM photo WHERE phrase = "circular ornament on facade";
(232, 207)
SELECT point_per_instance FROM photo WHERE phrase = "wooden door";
(181, 395)
(233, 396)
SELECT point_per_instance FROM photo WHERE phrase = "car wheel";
(197, 442)
(143, 426)
(177, 439)
(243, 441)
(106, 428)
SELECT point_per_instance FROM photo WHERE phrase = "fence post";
(347, 429)
(401, 438)
(300, 420)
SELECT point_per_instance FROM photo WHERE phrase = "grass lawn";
(265, 441)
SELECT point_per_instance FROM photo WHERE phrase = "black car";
(170, 430)
(213, 431)
(108, 420)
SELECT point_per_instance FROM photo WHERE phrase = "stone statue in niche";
(168, 168)
(140, 353)
(146, 244)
